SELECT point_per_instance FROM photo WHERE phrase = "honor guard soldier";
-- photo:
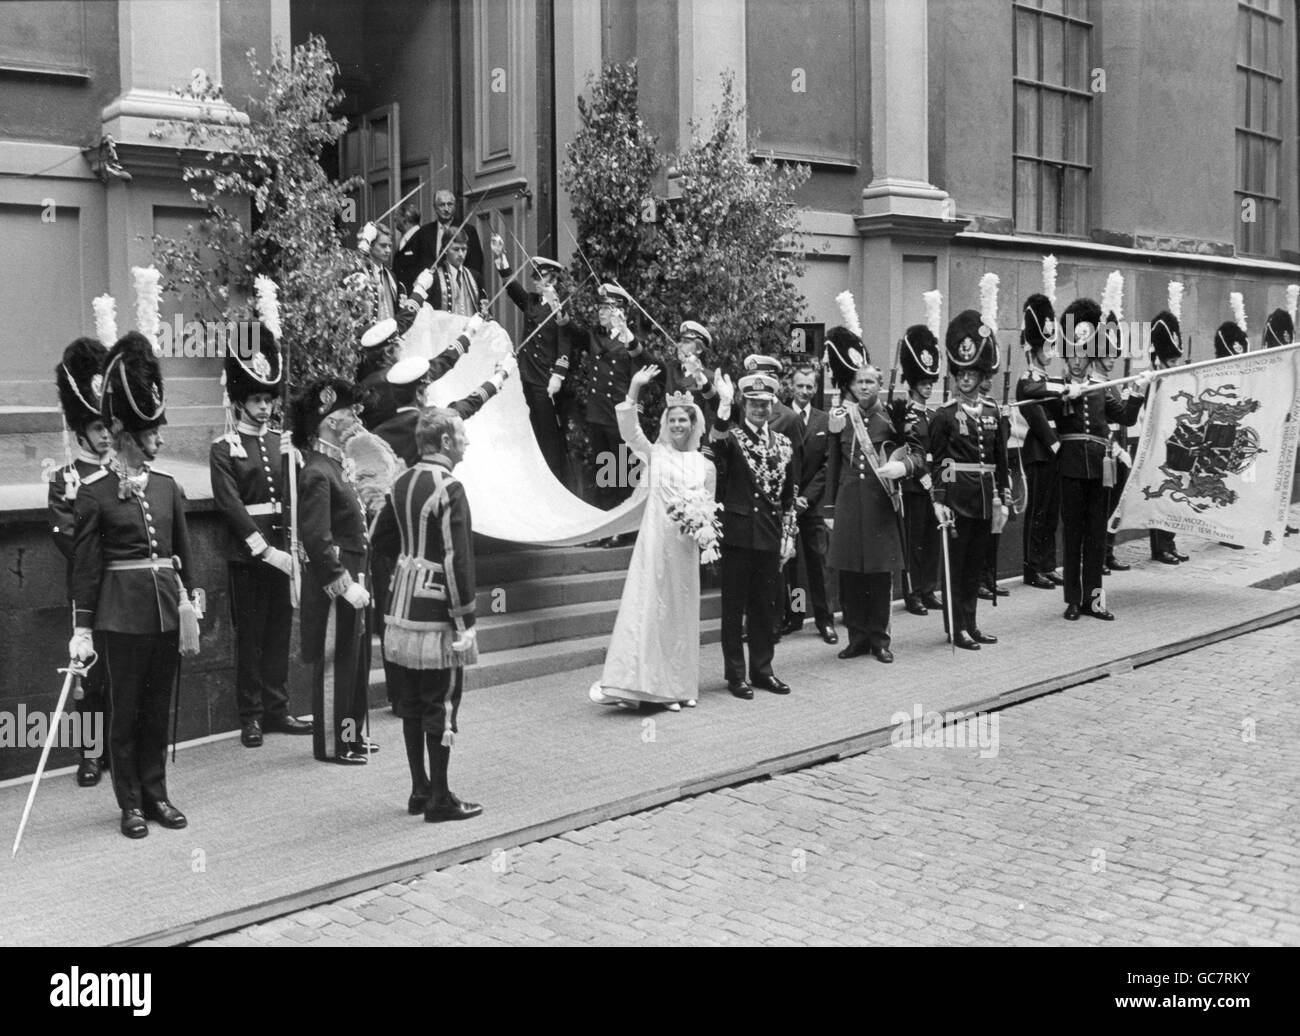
(1042, 475)
(971, 485)
(379, 348)
(429, 634)
(864, 503)
(543, 354)
(1087, 467)
(612, 351)
(1166, 351)
(1110, 347)
(1230, 340)
(79, 379)
(247, 469)
(683, 369)
(332, 529)
(919, 364)
(1279, 329)
(374, 279)
(812, 441)
(130, 558)
(756, 487)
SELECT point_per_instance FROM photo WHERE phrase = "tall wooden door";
(506, 139)
(372, 149)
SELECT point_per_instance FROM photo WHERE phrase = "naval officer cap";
(379, 334)
(543, 265)
(613, 295)
(407, 371)
(766, 364)
(691, 329)
(759, 386)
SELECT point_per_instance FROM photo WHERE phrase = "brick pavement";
(1148, 808)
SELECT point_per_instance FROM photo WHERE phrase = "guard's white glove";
(475, 325)
(465, 641)
(554, 385)
(507, 365)
(893, 469)
(800, 504)
(1143, 380)
(838, 417)
(366, 236)
(278, 559)
(81, 647)
(356, 596)
(726, 390)
(943, 514)
(410, 304)
(423, 283)
(1074, 390)
(498, 246)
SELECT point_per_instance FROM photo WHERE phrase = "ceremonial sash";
(869, 451)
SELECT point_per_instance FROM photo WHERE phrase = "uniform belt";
(126, 566)
(259, 509)
(978, 469)
(1080, 437)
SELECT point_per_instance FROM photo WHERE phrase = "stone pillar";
(711, 41)
(577, 55)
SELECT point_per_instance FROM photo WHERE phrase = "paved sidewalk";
(271, 829)
(1141, 810)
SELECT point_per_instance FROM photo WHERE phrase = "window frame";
(1270, 204)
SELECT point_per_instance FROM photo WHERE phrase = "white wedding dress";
(655, 651)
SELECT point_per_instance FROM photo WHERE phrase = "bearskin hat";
(1166, 338)
(919, 355)
(1230, 340)
(133, 386)
(260, 373)
(1081, 328)
(1039, 322)
(80, 380)
(316, 402)
(970, 344)
(1279, 329)
(845, 355)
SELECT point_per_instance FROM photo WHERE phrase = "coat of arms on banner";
(1209, 443)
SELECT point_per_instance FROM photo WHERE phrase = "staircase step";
(541, 562)
(550, 592)
(525, 663)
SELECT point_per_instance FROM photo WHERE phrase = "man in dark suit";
(452, 285)
(335, 602)
(410, 248)
(813, 442)
(79, 377)
(130, 561)
(756, 486)
(444, 229)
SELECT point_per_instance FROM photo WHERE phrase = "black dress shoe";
(416, 804)
(828, 634)
(789, 627)
(1114, 565)
(286, 725)
(983, 638)
(1000, 591)
(914, 606)
(133, 824)
(853, 651)
(740, 689)
(883, 655)
(166, 814)
(88, 772)
(932, 601)
(251, 734)
(1105, 569)
(1072, 612)
(1054, 578)
(450, 808)
(1185, 557)
(771, 683)
(984, 593)
(965, 641)
(350, 759)
(1039, 582)
(1098, 613)
(1166, 557)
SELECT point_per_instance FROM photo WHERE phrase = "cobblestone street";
(1154, 807)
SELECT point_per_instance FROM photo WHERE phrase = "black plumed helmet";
(845, 355)
(970, 345)
(317, 401)
(259, 373)
(1230, 340)
(1079, 315)
(1039, 322)
(919, 355)
(1279, 329)
(1166, 337)
(133, 386)
(79, 378)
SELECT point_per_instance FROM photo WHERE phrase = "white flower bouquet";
(694, 512)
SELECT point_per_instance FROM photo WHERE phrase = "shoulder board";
(95, 477)
(1032, 376)
(164, 474)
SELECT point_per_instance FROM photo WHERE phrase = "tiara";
(678, 399)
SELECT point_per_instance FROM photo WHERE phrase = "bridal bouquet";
(693, 512)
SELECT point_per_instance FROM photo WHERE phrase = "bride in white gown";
(655, 651)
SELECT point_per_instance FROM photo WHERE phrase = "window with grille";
(1259, 124)
(1052, 134)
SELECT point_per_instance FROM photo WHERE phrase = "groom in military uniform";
(756, 486)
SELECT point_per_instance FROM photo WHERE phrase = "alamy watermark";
(960, 729)
(209, 339)
(80, 730)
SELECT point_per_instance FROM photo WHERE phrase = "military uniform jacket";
(1084, 427)
(249, 491)
(866, 536)
(813, 443)
(612, 367)
(426, 522)
(753, 507)
(331, 524)
(959, 438)
(62, 517)
(147, 530)
(547, 353)
(1036, 384)
(399, 430)
(913, 419)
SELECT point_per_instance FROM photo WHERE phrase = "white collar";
(405, 409)
(84, 454)
(246, 427)
(329, 449)
(757, 429)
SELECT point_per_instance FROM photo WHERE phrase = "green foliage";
(299, 214)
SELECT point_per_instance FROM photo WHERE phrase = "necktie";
(803, 416)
